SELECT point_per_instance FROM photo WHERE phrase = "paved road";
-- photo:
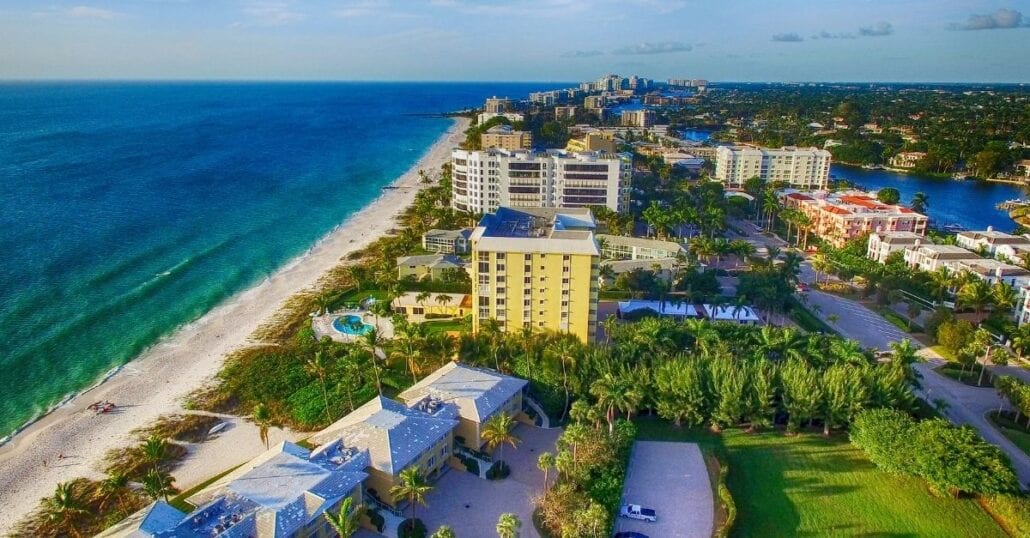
(966, 405)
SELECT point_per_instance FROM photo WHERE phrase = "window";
(484, 267)
(432, 461)
(500, 268)
(417, 311)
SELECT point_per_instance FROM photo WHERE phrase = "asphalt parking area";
(670, 478)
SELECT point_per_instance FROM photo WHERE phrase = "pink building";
(838, 217)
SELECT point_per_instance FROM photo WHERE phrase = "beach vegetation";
(187, 428)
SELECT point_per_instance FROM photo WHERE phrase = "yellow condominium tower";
(536, 268)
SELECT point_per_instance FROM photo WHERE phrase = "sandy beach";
(70, 441)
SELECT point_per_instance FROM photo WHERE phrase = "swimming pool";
(351, 324)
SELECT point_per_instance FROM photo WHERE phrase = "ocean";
(130, 209)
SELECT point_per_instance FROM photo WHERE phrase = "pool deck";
(323, 325)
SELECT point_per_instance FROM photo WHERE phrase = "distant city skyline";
(528, 40)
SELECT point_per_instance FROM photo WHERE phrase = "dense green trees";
(951, 459)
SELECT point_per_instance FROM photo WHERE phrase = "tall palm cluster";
(702, 207)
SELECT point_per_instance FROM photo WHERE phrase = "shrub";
(884, 435)
(498, 471)
(951, 459)
(377, 519)
(471, 464)
(412, 528)
(187, 428)
(727, 500)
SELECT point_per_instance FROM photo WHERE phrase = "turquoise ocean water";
(129, 209)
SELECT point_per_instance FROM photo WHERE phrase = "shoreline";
(69, 442)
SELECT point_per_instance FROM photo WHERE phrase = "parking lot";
(670, 478)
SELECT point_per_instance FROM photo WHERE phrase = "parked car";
(802, 287)
(635, 511)
(630, 535)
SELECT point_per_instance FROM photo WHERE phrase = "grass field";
(1017, 433)
(809, 485)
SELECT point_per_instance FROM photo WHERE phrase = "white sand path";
(156, 382)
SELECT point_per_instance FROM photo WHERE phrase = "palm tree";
(920, 201)
(770, 205)
(442, 300)
(565, 349)
(1003, 297)
(498, 431)
(113, 486)
(155, 449)
(263, 418)
(371, 341)
(1021, 339)
(346, 522)
(976, 295)
(545, 462)
(508, 526)
(444, 532)
(322, 301)
(414, 487)
(410, 345)
(421, 298)
(157, 484)
(316, 366)
(64, 508)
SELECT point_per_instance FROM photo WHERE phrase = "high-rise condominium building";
(806, 168)
(498, 105)
(637, 118)
(504, 137)
(487, 179)
(536, 268)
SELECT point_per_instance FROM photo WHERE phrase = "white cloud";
(788, 38)
(89, 12)
(271, 13)
(1001, 19)
(654, 48)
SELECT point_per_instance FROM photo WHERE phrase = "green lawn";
(1017, 433)
(954, 371)
(809, 485)
(445, 325)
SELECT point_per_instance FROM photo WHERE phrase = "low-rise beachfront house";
(883, 244)
(447, 241)
(477, 393)
(839, 217)
(417, 306)
(907, 159)
(429, 266)
(933, 257)
(618, 247)
(635, 308)
(743, 315)
(1015, 254)
(395, 437)
(989, 241)
(611, 269)
(283, 492)
(993, 271)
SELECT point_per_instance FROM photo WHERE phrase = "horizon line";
(471, 81)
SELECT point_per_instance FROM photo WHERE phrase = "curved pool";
(351, 325)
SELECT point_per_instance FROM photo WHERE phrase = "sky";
(516, 40)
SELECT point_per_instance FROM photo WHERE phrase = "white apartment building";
(484, 180)
(933, 257)
(883, 244)
(487, 116)
(807, 168)
(991, 241)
